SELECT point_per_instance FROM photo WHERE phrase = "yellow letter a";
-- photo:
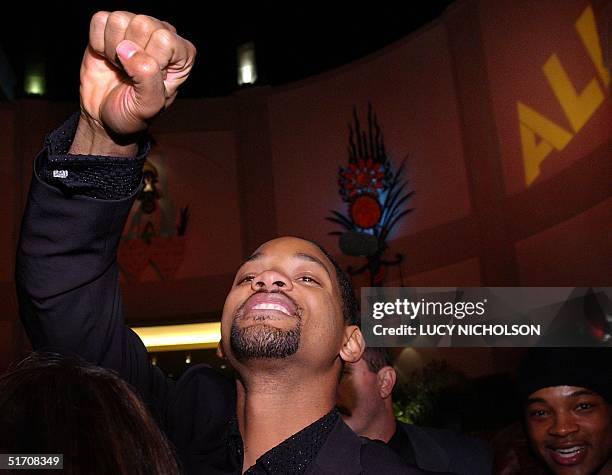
(533, 124)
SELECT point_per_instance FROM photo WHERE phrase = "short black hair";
(377, 358)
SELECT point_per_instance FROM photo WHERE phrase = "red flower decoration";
(363, 177)
(365, 211)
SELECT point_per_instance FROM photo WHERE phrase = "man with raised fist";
(287, 323)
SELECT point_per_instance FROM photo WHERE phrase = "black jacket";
(443, 451)
(70, 301)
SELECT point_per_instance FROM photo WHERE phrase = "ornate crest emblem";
(376, 198)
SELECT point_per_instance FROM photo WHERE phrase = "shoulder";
(204, 388)
(346, 452)
(376, 457)
(204, 376)
(464, 453)
(455, 442)
(203, 403)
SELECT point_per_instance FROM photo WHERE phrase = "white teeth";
(569, 451)
(271, 306)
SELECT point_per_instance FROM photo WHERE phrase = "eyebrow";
(575, 394)
(535, 400)
(253, 257)
(308, 257)
(299, 255)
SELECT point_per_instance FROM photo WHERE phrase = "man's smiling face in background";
(571, 430)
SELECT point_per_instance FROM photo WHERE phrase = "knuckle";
(191, 48)
(164, 38)
(119, 19)
(143, 23)
(169, 26)
(99, 18)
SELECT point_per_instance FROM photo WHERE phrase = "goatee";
(264, 341)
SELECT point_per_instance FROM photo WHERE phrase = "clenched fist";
(131, 70)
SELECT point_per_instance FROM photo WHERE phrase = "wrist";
(91, 138)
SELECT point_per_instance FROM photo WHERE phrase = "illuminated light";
(193, 336)
(35, 84)
(34, 77)
(246, 73)
(247, 68)
(154, 360)
(188, 359)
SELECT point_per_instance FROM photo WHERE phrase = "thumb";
(149, 94)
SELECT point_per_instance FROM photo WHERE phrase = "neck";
(383, 426)
(271, 409)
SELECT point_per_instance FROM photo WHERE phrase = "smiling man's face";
(284, 303)
(571, 430)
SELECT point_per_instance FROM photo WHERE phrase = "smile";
(569, 455)
(271, 306)
(569, 452)
(275, 303)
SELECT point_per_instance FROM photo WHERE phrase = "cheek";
(325, 328)
(232, 302)
(537, 432)
(368, 399)
(600, 429)
(351, 396)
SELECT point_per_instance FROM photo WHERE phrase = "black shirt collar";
(293, 455)
(401, 445)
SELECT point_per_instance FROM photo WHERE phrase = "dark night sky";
(293, 40)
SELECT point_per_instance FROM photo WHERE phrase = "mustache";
(240, 311)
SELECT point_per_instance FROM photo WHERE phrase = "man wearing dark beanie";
(567, 400)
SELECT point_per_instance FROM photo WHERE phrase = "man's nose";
(563, 425)
(271, 280)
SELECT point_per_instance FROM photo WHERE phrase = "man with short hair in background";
(364, 400)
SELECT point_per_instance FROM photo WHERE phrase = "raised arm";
(85, 181)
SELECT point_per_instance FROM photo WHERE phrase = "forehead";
(291, 248)
(560, 394)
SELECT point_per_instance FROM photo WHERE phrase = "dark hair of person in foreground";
(51, 404)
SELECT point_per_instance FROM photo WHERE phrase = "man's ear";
(385, 381)
(220, 350)
(353, 345)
